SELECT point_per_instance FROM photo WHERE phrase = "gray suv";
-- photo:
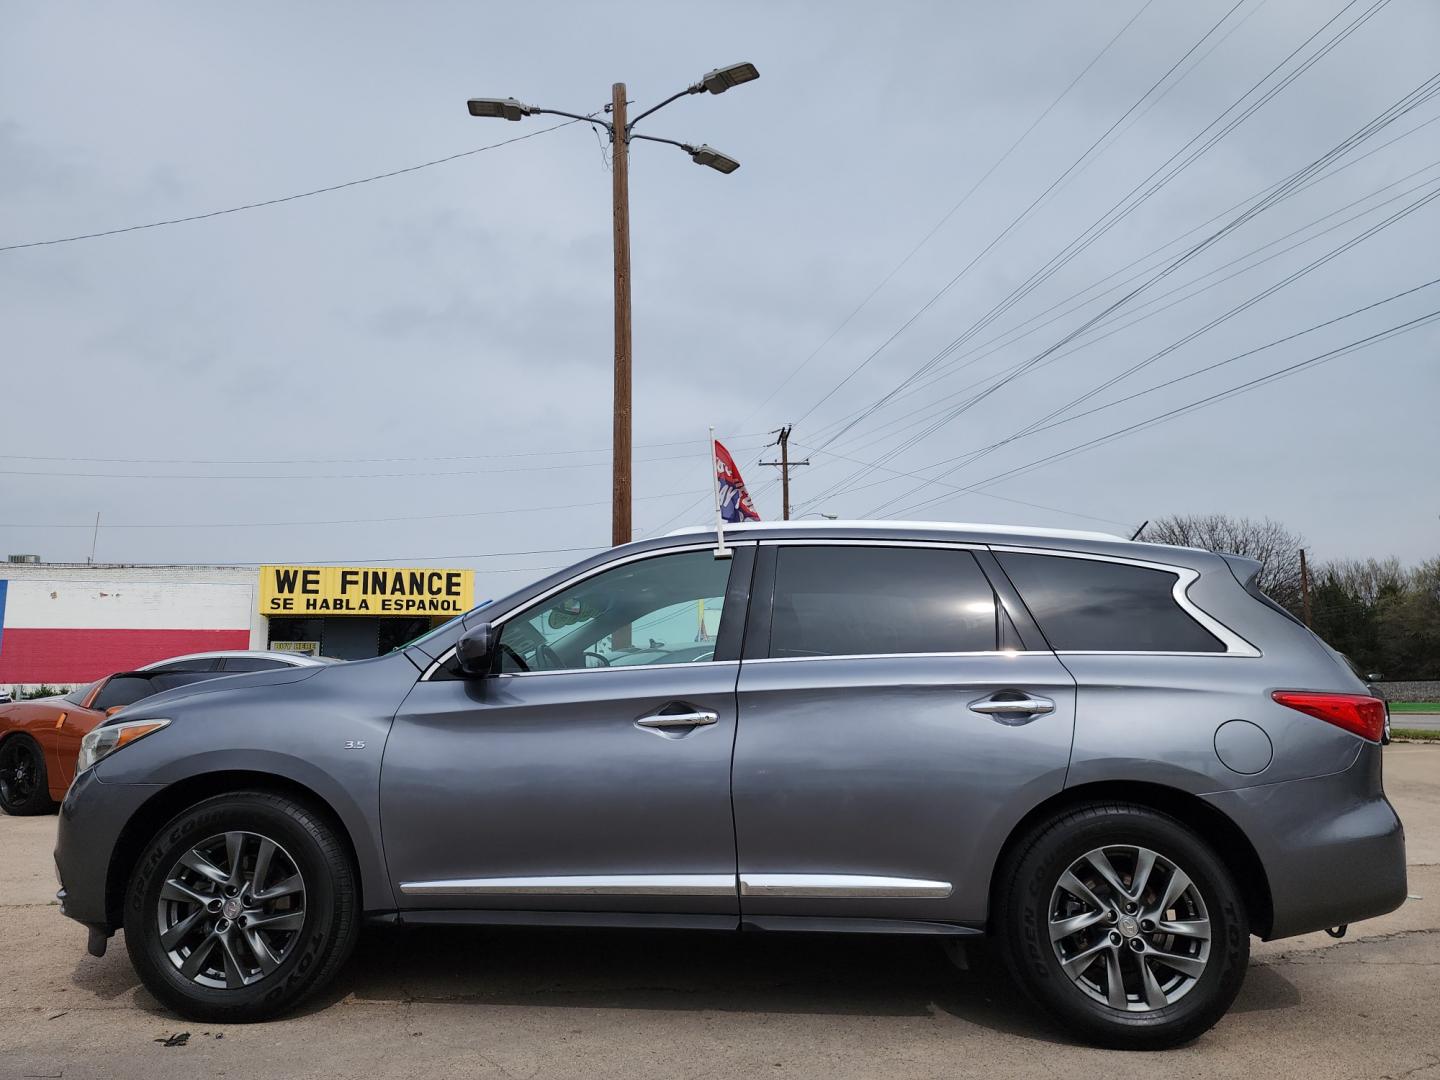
(1116, 760)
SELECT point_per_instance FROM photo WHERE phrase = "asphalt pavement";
(1423, 721)
(592, 1004)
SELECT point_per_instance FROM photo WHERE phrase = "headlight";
(101, 742)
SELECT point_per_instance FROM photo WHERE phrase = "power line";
(1125, 206)
(287, 198)
(988, 494)
(1426, 90)
(950, 213)
(970, 455)
(1014, 334)
(1199, 403)
(1218, 320)
(339, 521)
(360, 461)
(1015, 222)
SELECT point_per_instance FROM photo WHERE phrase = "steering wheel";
(604, 660)
(515, 656)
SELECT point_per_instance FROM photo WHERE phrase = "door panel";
(548, 778)
(886, 742)
(877, 767)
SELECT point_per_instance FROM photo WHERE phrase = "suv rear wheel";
(1123, 925)
(240, 907)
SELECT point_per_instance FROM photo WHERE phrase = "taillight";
(1364, 716)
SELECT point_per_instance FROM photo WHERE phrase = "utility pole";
(94, 538)
(1304, 587)
(621, 130)
(785, 465)
(620, 528)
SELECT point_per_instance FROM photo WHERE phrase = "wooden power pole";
(1304, 587)
(785, 465)
(620, 171)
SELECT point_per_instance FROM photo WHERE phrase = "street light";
(499, 108)
(722, 79)
(621, 133)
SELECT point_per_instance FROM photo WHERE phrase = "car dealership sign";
(365, 590)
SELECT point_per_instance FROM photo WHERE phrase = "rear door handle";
(1030, 705)
(698, 718)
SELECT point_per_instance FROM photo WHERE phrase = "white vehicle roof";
(293, 659)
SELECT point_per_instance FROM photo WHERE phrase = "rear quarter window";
(1088, 605)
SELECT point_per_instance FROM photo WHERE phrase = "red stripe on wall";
(74, 656)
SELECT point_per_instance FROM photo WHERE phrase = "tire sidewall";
(1037, 968)
(329, 907)
(39, 801)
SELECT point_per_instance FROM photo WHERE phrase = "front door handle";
(698, 718)
(1028, 705)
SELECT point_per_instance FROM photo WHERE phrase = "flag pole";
(721, 551)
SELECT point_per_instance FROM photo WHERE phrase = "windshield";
(436, 631)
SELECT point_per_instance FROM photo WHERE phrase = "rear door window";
(251, 663)
(197, 663)
(1088, 605)
(840, 600)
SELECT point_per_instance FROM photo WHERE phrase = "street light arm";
(534, 109)
(669, 142)
(695, 89)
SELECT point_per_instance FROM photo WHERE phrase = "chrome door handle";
(685, 719)
(1030, 706)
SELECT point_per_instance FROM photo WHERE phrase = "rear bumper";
(1332, 846)
(92, 819)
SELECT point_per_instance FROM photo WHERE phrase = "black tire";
(24, 780)
(309, 954)
(1028, 889)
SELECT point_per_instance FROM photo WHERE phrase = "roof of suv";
(978, 530)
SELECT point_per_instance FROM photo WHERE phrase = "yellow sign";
(364, 590)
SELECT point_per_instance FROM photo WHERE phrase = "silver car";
(1117, 760)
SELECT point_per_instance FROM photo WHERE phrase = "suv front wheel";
(1124, 926)
(240, 907)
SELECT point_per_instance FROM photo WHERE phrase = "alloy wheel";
(1129, 928)
(19, 773)
(231, 910)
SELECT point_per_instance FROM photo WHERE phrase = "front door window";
(665, 610)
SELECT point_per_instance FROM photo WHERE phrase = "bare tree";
(1275, 547)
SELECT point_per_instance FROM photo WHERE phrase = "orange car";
(40, 739)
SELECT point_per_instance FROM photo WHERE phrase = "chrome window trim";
(854, 886)
(448, 654)
(830, 541)
(579, 885)
(1185, 576)
(617, 667)
(892, 656)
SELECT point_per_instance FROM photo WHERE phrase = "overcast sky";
(451, 328)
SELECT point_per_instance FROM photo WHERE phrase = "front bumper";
(92, 823)
(1332, 846)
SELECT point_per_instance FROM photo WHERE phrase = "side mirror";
(1374, 676)
(476, 650)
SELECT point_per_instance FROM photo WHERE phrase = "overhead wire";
(1192, 406)
(1420, 94)
(287, 198)
(1137, 195)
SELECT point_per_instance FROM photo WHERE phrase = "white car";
(235, 661)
